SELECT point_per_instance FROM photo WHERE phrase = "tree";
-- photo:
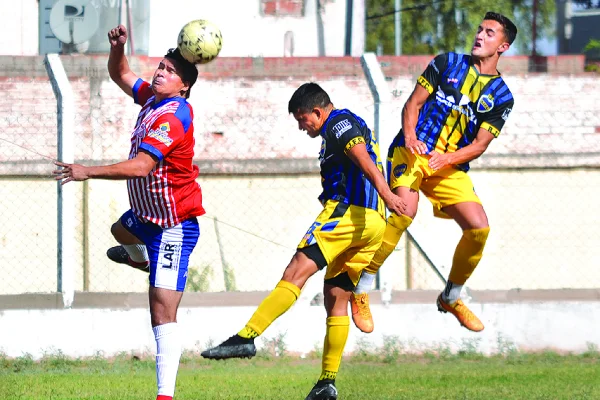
(434, 26)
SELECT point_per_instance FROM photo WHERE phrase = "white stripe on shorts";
(169, 255)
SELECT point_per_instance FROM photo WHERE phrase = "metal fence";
(260, 182)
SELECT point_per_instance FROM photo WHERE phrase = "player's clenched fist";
(117, 36)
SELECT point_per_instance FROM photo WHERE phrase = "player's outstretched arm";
(359, 156)
(118, 67)
(137, 167)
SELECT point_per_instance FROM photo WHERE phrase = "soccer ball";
(199, 41)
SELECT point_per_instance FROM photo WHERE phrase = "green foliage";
(273, 347)
(229, 276)
(198, 280)
(593, 44)
(440, 26)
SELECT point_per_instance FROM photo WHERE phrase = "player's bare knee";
(114, 229)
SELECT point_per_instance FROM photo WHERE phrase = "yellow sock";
(396, 225)
(272, 307)
(335, 341)
(468, 254)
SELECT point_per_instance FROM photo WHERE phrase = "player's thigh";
(125, 229)
(169, 252)
(355, 247)
(447, 188)
(405, 172)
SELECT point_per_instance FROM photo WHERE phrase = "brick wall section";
(241, 107)
(281, 8)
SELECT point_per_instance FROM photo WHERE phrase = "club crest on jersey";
(399, 170)
(485, 103)
(322, 152)
(341, 127)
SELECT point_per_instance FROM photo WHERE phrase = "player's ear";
(318, 112)
(184, 89)
(503, 47)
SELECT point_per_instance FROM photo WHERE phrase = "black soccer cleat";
(234, 347)
(119, 255)
(323, 390)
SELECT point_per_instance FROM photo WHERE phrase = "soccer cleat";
(323, 390)
(462, 314)
(361, 313)
(119, 255)
(234, 347)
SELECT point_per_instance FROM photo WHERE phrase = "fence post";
(381, 95)
(66, 194)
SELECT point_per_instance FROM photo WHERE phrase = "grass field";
(429, 376)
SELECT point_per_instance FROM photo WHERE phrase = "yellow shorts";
(348, 236)
(443, 188)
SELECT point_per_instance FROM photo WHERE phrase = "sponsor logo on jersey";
(423, 82)
(161, 135)
(399, 170)
(485, 103)
(506, 113)
(164, 127)
(462, 107)
(452, 80)
(341, 127)
(353, 142)
(169, 255)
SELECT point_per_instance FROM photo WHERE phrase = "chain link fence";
(260, 182)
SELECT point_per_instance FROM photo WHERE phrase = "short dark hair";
(510, 29)
(307, 97)
(187, 70)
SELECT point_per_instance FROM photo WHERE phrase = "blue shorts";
(169, 249)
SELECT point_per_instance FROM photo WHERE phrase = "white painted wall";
(523, 326)
(20, 28)
(245, 31)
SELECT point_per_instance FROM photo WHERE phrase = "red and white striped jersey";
(169, 194)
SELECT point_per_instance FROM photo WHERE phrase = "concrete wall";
(513, 322)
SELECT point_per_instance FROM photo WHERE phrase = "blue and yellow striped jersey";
(341, 179)
(461, 102)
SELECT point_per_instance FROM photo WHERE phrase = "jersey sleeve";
(163, 136)
(142, 91)
(431, 77)
(496, 118)
(344, 133)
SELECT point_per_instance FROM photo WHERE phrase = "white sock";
(168, 352)
(137, 252)
(452, 292)
(365, 283)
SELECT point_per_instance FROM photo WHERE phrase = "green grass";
(467, 375)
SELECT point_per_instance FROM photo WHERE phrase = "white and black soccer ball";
(200, 41)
